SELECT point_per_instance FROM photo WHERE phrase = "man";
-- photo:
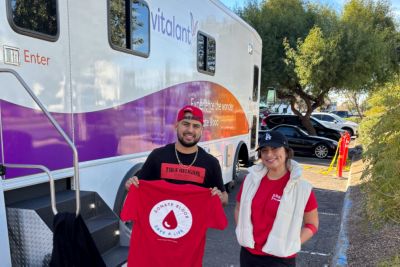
(184, 161)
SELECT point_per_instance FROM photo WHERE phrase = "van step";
(105, 231)
(116, 256)
(31, 224)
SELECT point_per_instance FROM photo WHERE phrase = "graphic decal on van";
(137, 126)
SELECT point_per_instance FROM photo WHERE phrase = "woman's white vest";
(284, 238)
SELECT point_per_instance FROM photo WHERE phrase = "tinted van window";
(35, 18)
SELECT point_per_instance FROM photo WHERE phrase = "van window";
(253, 133)
(206, 53)
(34, 18)
(255, 83)
(129, 26)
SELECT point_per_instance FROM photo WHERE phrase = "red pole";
(340, 158)
(346, 148)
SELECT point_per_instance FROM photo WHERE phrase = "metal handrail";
(51, 180)
(61, 132)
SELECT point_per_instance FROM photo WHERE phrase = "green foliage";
(395, 261)
(368, 44)
(309, 50)
(352, 51)
(380, 135)
(275, 21)
(316, 61)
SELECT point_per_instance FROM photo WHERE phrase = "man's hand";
(223, 196)
(132, 181)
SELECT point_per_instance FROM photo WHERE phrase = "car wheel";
(350, 131)
(321, 151)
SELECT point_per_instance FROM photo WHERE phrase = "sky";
(336, 4)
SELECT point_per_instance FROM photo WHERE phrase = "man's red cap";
(197, 114)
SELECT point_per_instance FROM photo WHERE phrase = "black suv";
(277, 119)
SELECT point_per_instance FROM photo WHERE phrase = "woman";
(272, 205)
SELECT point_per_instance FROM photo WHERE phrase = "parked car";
(336, 122)
(322, 130)
(342, 113)
(303, 143)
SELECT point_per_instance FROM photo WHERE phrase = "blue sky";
(336, 4)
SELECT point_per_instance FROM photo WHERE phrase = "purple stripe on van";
(137, 126)
(29, 138)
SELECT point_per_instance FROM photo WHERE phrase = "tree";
(356, 101)
(368, 44)
(281, 24)
(308, 50)
(315, 63)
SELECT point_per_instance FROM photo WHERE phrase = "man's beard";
(186, 144)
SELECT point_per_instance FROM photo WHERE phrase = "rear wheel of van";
(321, 151)
(125, 227)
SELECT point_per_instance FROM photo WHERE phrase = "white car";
(336, 122)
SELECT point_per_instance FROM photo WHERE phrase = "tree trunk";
(305, 120)
(355, 99)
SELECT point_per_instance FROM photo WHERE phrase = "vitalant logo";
(170, 219)
(170, 27)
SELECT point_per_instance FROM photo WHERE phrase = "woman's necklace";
(183, 165)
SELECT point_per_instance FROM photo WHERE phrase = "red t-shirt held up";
(265, 207)
(170, 223)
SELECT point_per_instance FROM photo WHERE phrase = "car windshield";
(337, 117)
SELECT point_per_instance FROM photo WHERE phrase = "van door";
(34, 43)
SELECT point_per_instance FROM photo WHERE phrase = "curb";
(340, 256)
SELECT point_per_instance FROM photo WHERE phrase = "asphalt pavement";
(222, 249)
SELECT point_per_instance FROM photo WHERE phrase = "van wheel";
(235, 174)
(125, 227)
(321, 151)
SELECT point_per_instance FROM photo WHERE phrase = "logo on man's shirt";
(170, 219)
(276, 197)
(178, 172)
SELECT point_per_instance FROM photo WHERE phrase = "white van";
(112, 74)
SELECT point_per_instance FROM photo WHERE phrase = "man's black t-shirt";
(163, 164)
